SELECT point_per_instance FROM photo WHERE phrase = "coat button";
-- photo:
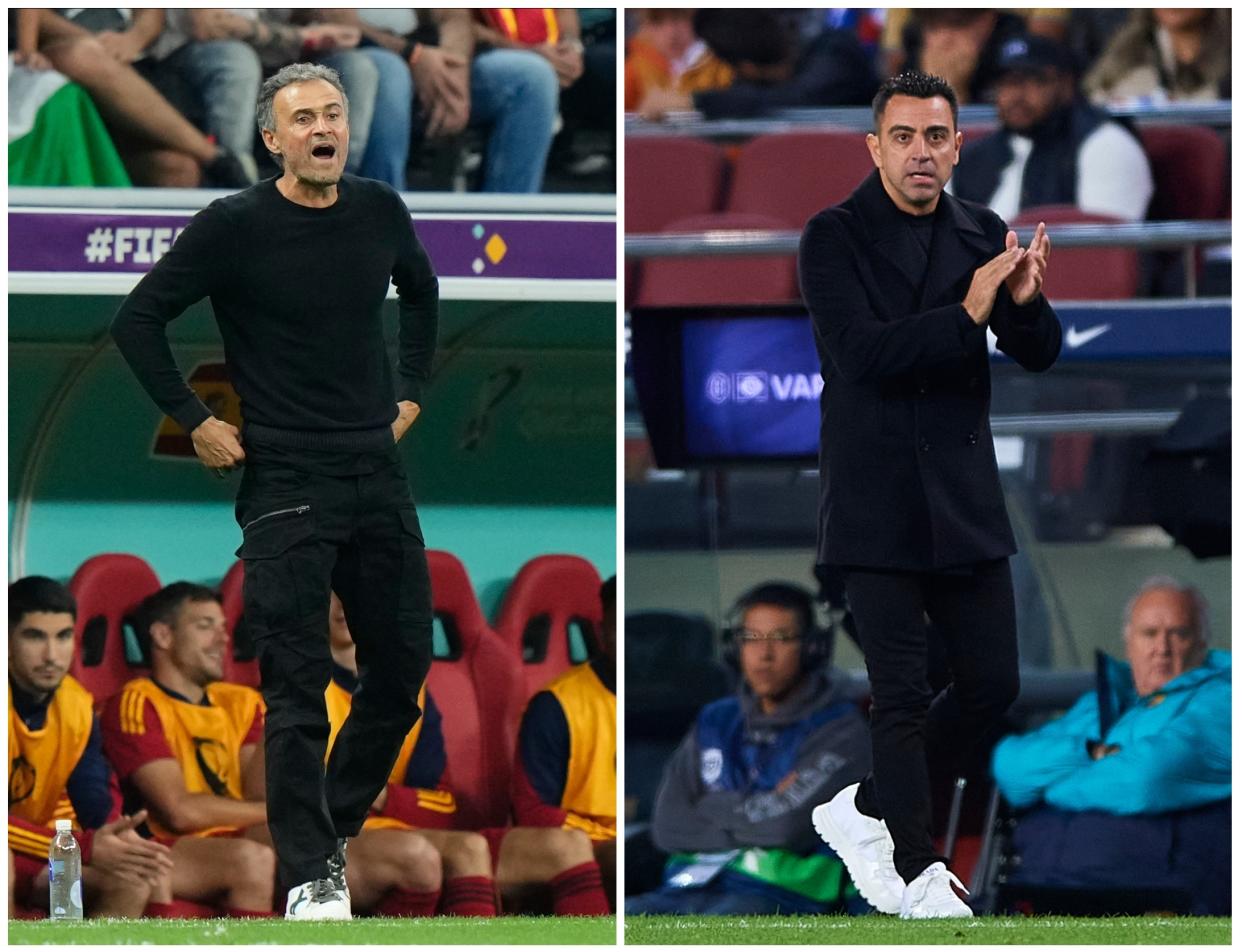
(972, 438)
(924, 445)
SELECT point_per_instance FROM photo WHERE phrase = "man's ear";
(269, 141)
(873, 145)
(161, 635)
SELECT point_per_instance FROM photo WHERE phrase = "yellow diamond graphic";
(495, 249)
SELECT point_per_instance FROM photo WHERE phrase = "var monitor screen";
(727, 385)
(732, 384)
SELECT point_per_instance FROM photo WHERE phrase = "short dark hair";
(608, 592)
(38, 593)
(781, 595)
(916, 84)
(164, 606)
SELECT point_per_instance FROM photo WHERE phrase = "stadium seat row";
(778, 181)
(481, 678)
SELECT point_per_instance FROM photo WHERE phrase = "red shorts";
(495, 836)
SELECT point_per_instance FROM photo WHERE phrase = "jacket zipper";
(279, 512)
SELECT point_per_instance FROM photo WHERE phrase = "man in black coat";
(902, 280)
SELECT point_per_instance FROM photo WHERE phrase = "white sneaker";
(865, 847)
(931, 896)
(317, 899)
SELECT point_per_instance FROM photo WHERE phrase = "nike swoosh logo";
(1074, 338)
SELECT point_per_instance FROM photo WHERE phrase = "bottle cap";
(64, 826)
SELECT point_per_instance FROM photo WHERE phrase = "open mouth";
(324, 151)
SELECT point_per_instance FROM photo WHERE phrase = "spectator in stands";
(963, 46)
(222, 53)
(56, 136)
(773, 71)
(661, 49)
(586, 141)
(734, 802)
(1135, 768)
(565, 771)
(510, 94)
(157, 143)
(1053, 147)
(1166, 54)
(57, 769)
(419, 796)
(187, 747)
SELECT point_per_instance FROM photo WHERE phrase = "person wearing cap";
(1053, 147)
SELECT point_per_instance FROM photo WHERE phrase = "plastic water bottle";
(64, 869)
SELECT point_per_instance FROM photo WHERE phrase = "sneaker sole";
(968, 914)
(835, 837)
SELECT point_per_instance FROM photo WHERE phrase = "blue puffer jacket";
(1175, 748)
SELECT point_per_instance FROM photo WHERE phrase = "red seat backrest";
(108, 588)
(547, 594)
(1189, 167)
(237, 672)
(791, 176)
(477, 691)
(721, 279)
(1088, 274)
(667, 178)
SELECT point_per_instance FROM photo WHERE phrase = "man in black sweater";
(297, 269)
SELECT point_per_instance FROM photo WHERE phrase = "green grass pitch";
(441, 930)
(882, 930)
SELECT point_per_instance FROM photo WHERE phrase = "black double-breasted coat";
(908, 475)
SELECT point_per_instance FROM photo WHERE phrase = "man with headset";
(733, 803)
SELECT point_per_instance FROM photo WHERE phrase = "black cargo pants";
(306, 531)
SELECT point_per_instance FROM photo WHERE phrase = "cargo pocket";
(281, 571)
(411, 526)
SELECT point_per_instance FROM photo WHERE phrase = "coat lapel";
(957, 246)
(888, 233)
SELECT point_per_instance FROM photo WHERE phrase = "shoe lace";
(323, 890)
(336, 868)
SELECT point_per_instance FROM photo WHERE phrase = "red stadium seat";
(477, 690)
(235, 671)
(108, 588)
(548, 594)
(1086, 274)
(1189, 166)
(723, 279)
(791, 176)
(667, 178)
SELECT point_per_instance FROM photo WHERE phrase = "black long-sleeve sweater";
(297, 294)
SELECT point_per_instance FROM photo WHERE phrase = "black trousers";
(306, 532)
(974, 614)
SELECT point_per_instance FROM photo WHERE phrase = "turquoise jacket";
(1175, 748)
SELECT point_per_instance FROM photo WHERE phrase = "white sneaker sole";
(954, 914)
(835, 837)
